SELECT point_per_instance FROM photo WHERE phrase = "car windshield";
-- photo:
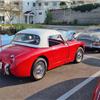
(27, 38)
(68, 35)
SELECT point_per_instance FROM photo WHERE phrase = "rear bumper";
(14, 70)
(5, 68)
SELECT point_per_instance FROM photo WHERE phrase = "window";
(27, 38)
(54, 3)
(2, 18)
(16, 3)
(28, 3)
(55, 40)
(40, 13)
(34, 4)
(40, 4)
(68, 35)
(46, 3)
(25, 19)
(1, 1)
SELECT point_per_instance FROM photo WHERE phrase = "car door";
(59, 53)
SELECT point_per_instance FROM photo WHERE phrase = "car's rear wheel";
(79, 55)
(39, 69)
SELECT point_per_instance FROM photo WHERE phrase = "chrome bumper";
(5, 68)
(0, 65)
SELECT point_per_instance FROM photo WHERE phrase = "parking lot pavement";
(56, 82)
(86, 92)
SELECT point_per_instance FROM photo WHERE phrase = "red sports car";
(96, 95)
(34, 51)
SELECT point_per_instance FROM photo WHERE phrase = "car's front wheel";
(39, 69)
(79, 55)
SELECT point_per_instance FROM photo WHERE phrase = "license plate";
(0, 65)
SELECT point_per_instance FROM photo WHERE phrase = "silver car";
(91, 39)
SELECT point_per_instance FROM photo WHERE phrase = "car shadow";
(57, 90)
(6, 81)
(54, 91)
(92, 61)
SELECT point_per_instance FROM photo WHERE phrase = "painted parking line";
(79, 86)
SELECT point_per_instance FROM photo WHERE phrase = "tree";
(11, 10)
(86, 7)
(49, 18)
(63, 5)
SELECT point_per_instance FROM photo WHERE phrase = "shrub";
(12, 29)
(75, 21)
(49, 18)
(86, 7)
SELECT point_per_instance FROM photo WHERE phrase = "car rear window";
(27, 38)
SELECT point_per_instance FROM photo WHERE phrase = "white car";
(91, 39)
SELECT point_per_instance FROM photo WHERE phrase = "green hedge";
(86, 7)
(12, 29)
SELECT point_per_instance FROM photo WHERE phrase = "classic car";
(35, 51)
(96, 93)
(91, 39)
(6, 39)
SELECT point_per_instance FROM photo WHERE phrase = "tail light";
(12, 58)
(96, 43)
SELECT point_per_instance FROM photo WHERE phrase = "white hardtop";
(42, 33)
(37, 31)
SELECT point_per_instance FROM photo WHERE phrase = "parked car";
(34, 51)
(6, 39)
(96, 94)
(91, 39)
(93, 29)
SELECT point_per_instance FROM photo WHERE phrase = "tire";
(39, 69)
(79, 55)
(98, 50)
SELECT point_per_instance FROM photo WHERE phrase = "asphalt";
(56, 82)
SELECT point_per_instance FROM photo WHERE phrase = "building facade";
(10, 11)
(31, 11)
(35, 11)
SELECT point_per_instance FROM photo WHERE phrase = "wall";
(92, 17)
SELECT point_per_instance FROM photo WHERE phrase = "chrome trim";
(29, 45)
(0, 65)
(6, 69)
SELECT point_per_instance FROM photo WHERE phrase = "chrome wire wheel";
(39, 69)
